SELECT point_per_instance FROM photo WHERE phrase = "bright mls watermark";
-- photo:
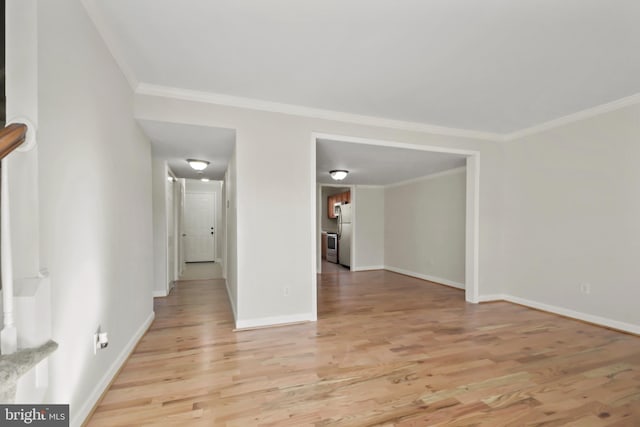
(34, 415)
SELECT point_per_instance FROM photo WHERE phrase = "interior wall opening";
(402, 191)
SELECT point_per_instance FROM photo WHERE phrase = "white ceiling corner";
(493, 70)
(111, 42)
(580, 115)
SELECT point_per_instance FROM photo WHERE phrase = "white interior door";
(199, 227)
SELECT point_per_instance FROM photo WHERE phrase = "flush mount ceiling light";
(198, 164)
(338, 174)
(205, 179)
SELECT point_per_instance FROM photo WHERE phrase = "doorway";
(199, 227)
(336, 203)
(471, 161)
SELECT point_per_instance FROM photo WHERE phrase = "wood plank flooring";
(387, 350)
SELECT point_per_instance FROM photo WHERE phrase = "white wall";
(424, 227)
(160, 237)
(369, 228)
(95, 205)
(22, 102)
(275, 169)
(572, 210)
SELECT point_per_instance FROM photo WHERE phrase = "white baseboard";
(439, 280)
(158, 294)
(275, 320)
(79, 417)
(368, 268)
(590, 318)
(602, 321)
(492, 297)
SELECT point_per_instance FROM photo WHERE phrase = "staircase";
(26, 326)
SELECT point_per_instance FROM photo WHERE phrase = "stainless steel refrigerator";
(345, 232)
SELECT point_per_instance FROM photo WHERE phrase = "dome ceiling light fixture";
(198, 164)
(338, 174)
(203, 179)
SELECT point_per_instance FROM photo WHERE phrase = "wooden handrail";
(11, 137)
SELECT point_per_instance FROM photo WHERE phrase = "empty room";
(350, 213)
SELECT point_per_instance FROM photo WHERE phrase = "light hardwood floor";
(202, 271)
(387, 350)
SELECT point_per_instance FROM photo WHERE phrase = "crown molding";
(297, 110)
(142, 88)
(316, 113)
(110, 41)
(574, 117)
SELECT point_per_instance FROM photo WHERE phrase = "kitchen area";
(336, 228)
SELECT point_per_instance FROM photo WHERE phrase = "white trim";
(428, 177)
(472, 206)
(552, 309)
(150, 89)
(491, 298)
(110, 42)
(316, 113)
(472, 229)
(316, 229)
(354, 226)
(574, 117)
(159, 294)
(8, 334)
(317, 199)
(274, 320)
(368, 268)
(427, 277)
(598, 320)
(298, 110)
(79, 417)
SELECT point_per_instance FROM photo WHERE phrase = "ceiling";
(378, 165)
(177, 142)
(493, 66)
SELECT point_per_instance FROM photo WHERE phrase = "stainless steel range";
(332, 247)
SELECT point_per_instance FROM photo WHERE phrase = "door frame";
(472, 216)
(215, 219)
(173, 256)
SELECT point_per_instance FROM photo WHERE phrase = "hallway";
(202, 271)
(387, 349)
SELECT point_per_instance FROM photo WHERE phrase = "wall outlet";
(285, 291)
(100, 340)
(585, 288)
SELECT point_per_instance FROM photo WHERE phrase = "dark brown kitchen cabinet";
(341, 198)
